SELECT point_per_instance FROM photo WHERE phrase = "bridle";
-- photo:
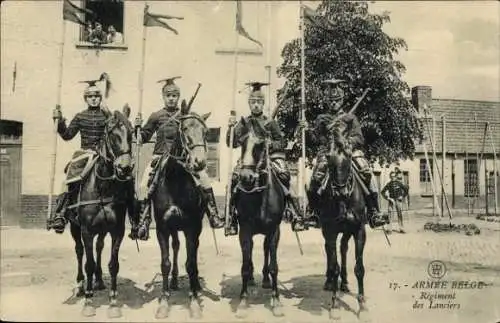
(108, 155)
(187, 147)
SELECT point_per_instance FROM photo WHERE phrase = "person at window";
(98, 36)
(88, 31)
(114, 37)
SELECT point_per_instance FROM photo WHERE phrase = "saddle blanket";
(80, 165)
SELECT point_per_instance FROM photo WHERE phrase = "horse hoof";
(363, 316)
(242, 309)
(99, 285)
(328, 285)
(88, 310)
(277, 308)
(162, 312)
(195, 309)
(334, 315)
(114, 312)
(344, 288)
(266, 284)
(79, 291)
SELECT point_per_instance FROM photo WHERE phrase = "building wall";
(207, 27)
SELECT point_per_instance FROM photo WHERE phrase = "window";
(213, 155)
(471, 183)
(425, 176)
(107, 13)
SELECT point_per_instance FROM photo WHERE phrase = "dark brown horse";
(101, 209)
(342, 209)
(260, 203)
(178, 205)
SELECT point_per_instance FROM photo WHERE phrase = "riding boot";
(297, 216)
(134, 216)
(216, 222)
(231, 228)
(57, 221)
(145, 219)
(311, 216)
(375, 217)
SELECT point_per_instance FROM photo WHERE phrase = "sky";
(453, 46)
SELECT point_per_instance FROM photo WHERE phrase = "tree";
(344, 40)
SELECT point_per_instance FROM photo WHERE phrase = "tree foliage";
(346, 41)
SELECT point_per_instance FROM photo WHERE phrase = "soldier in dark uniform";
(90, 123)
(276, 154)
(354, 139)
(166, 125)
(394, 192)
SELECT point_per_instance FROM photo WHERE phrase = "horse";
(178, 205)
(101, 209)
(260, 204)
(342, 209)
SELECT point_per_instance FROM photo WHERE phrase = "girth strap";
(83, 203)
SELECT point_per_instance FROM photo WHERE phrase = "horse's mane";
(120, 117)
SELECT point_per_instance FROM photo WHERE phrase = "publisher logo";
(436, 269)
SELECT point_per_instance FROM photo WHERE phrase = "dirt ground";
(39, 271)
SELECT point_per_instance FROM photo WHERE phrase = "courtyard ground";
(38, 272)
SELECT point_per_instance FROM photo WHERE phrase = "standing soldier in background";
(165, 124)
(276, 154)
(394, 192)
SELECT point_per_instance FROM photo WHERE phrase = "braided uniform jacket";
(90, 123)
(164, 122)
(277, 145)
(396, 190)
(319, 132)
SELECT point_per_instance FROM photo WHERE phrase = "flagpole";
(141, 93)
(231, 133)
(302, 110)
(56, 121)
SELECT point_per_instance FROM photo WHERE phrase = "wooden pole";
(443, 160)
(439, 175)
(495, 185)
(486, 126)
(52, 171)
(138, 140)
(429, 167)
(231, 134)
(301, 187)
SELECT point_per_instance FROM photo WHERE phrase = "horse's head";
(193, 133)
(117, 144)
(340, 153)
(252, 151)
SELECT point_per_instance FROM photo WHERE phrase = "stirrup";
(299, 225)
(377, 220)
(231, 230)
(143, 229)
(216, 222)
(58, 224)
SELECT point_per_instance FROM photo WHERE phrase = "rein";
(186, 147)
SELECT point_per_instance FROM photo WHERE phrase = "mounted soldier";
(90, 123)
(354, 141)
(165, 124)
(276, 154)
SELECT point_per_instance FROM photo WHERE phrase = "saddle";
(263, 180)
(159, 165)
(80, 165)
